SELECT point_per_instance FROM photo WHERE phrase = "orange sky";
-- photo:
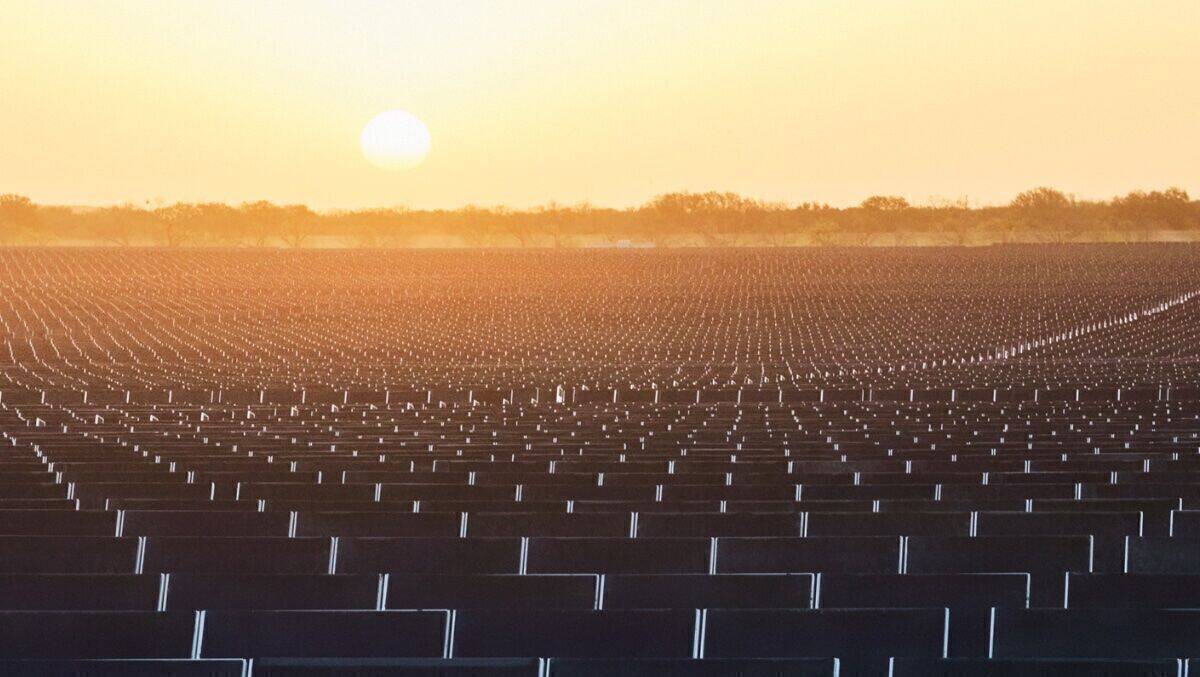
(612, 102)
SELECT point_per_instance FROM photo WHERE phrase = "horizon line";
(929, 202)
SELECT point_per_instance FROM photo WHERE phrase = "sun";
(395, 139)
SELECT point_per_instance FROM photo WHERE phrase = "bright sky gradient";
(613, 102)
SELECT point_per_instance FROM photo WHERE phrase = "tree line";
(673, 219)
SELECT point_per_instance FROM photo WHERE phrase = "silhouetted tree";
(177, 223)
(1041, 199)
(218, 223)
(18, 215)
(885, 203)
(376, 227)
(258, 222)
(878, 215)
(296, 224)
(718, 219)
(1146, 212)
(1045, 211)
(121, 225)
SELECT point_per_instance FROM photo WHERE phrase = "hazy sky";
(612, 102)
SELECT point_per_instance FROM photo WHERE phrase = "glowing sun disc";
(395, 139)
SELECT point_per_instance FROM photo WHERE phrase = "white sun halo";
(395, 139)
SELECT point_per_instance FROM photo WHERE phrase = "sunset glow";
(599, 338)
(395, 139)
(609, 102)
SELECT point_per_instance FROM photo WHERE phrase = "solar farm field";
(904, 461)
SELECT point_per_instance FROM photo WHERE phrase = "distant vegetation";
(673, 219)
